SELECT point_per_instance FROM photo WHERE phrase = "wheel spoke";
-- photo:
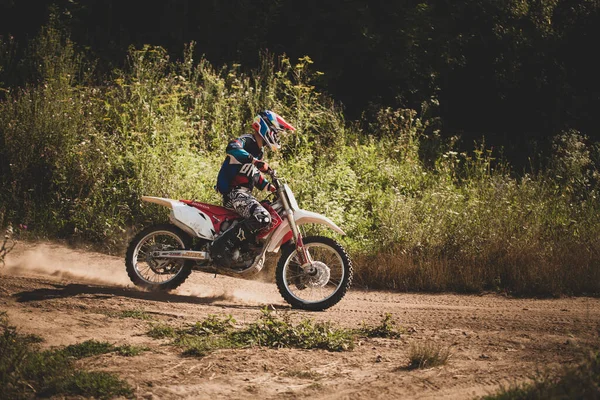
(325, 280)
(333, 282)
(153, 271)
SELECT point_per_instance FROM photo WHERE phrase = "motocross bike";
(312, 273)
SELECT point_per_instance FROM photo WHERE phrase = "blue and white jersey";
(238, 170)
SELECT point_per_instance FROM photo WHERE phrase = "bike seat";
(213, 210)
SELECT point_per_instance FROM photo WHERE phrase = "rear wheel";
(322, 283)
(146, 270)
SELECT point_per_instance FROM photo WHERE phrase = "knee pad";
(260, 219)
(263, 218)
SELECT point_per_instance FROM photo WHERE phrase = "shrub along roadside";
(427, 355)
(27, 372)
(269, 330)
(76, 156)
(575, 382)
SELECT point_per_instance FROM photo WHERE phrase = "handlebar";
(275, 180)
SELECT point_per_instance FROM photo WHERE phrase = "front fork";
(289, 213)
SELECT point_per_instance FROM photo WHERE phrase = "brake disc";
(316, 275)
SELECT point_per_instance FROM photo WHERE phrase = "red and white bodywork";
(313, 273)
(205, 220)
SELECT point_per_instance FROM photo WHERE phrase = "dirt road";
(69, 296)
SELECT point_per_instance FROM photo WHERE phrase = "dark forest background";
(515, 72)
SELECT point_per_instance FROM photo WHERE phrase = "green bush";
(27, 372)
(573, 382)
(77, 155)
(269, 331)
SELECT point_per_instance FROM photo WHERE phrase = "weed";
(431, 218)
(137, 314)
(384, 330)
(102, 385)
(574, 382)
(92, 347)
(212, 325)
(315, 386)
(269, 331)
(7, 244)
(130, 350)
(427, 355)
(87, 349)
(199, 346)
(161, 331)
(33, 338)
(27, 372)
(303, 374)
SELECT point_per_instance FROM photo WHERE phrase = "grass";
(7, 243)
(88, 348)
(573, 382)
(128, 350)
(95, 384)
(420, 214)
(427, 355)
(27, 372)
(92, 347)
(386, 329)
(136, 314)
(269, 330)
(161, 331)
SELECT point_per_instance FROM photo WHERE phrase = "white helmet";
(268, 125)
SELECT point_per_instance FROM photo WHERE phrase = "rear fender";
(302, 217)
(190, 219)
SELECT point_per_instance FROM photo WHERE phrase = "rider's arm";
(260, 182)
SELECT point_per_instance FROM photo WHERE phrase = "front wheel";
(150, 272)
(319, 285)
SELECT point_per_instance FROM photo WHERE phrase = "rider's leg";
(256, 218)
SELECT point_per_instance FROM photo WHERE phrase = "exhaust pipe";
(182, 254)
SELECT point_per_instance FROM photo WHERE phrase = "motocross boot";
(223, 248)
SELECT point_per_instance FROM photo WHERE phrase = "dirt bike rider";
(239, 174)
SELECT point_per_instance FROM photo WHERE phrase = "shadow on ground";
(99, 292)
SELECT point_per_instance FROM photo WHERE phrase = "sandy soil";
(68, 296)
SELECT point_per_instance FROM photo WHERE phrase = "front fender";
(302, 217)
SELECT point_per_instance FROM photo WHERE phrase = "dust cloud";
(239, 295)
(58, 262)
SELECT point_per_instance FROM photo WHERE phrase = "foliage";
(384, 330)
(127, 350)
(271, 331)
(510, 70)
(427, 355)
(573, 382)
(136, 314)
(8, 244)
(87, 349)
(93, 347)
(268, 331)
(420, 214)
(27, 372)
(161, 331)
